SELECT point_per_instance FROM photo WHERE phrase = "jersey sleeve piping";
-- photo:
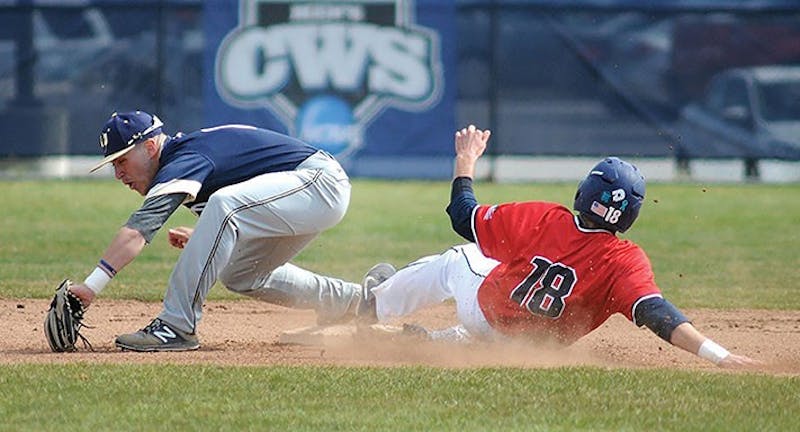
(474, 228)
(189, 187)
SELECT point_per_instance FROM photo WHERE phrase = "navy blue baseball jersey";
(201, 162)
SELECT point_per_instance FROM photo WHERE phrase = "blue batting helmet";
(611, 195)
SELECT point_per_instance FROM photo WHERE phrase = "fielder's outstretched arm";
(128, 243)
(125, 246)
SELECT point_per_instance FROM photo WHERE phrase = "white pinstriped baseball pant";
(456, 273)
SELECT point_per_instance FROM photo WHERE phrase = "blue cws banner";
(370, 81)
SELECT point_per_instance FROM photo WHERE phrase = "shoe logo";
(164, 334)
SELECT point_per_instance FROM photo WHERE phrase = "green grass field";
(719, 246)
(145, 398)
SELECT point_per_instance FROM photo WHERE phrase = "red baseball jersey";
(556, 280)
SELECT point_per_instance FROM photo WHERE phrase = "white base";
(336, 334)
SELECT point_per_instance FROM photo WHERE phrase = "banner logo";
(326, 69)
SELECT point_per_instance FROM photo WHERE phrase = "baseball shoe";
(366, 313)
(158, 336)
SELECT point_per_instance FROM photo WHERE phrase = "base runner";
(537, 271)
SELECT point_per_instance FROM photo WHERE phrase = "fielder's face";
(137, 168)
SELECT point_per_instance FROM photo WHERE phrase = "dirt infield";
(248, 333)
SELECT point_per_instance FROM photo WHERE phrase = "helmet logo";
(609, 214)
(599, 209)
(611, 194)
(103, 140)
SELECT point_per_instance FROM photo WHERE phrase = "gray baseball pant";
(248, 232)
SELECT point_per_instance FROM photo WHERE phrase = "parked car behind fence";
(750, 113)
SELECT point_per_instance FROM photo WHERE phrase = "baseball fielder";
(538, 271)
(261, 198)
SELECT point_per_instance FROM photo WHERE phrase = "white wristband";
(712, 351)
(97, 280)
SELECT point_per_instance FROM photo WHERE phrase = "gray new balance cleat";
(366, 313)
(158, 336)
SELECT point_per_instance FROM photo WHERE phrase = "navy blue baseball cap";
(123, 131)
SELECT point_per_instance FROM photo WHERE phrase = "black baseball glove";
(64, 320)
